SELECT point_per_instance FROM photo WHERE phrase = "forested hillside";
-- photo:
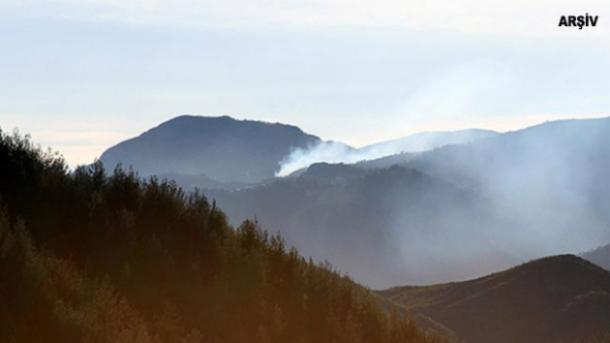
(90, 257)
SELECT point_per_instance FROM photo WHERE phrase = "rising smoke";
(333, 152)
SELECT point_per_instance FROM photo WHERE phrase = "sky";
(83, 75)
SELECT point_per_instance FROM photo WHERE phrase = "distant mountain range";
(550, 178)
(525, 194)
(334, 152)
(555, 299)
(212, 149)
(222, 152)
(475, 202)
(424, 141)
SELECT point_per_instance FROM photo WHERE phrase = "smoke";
(543, 192)
(334, 152)
(329, 152)
(455, 212)
(467, 89)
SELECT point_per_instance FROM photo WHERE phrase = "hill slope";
(554, 299)
(550, 179)
(524, 193)
(378, 225)
(222, 148)
(86, 257)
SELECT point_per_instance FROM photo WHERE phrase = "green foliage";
(118, 259)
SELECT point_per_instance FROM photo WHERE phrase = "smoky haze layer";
(348, 215)
(334, 152)
(451, 213)
(550, 178)
(549, 181)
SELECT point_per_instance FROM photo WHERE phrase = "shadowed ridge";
(546, 300)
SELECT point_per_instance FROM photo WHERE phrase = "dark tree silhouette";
(90, 257)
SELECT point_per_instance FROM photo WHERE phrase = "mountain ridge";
(222, 148)
(427, 140)
(545, 300)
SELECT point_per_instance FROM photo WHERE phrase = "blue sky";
(83, 75)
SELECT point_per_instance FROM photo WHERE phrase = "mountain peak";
(222, 148)
(184, 121)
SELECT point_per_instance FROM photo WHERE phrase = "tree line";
(91, 256)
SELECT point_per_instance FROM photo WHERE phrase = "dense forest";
(90, 257)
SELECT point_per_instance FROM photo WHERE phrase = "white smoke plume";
(331, 152)
(334, 152)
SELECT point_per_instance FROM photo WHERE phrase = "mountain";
(380, 226)
(556, 299)
(86, 257)
(550, 179)
(224, 153)
(599, 256)
(426, 141)
(388, 161)
(220, 148)
(466, 209)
